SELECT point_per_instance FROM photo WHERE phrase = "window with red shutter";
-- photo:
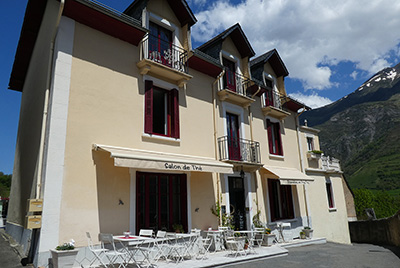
(274, 138)
(161, 111)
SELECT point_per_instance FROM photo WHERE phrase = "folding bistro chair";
(113, 254)
(99, 253)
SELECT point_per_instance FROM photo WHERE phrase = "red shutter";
(175, 115)
(148, 107)
(270, 141)
(279, 139)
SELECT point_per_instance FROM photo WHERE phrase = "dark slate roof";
(180, 7)
(274, 59)
(92, 14)
(239, 38)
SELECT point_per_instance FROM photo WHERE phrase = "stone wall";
(383, 231)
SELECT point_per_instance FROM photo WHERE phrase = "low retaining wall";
(382, 232)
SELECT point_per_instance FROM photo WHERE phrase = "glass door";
(237, 202)
(233, 137)
(161, 201)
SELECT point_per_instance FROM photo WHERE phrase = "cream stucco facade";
(103, 156)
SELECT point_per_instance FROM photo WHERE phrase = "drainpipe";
(302, 164)
(36, 232)
(46, 103)
(214, 98)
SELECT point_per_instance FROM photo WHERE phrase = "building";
(124, 125)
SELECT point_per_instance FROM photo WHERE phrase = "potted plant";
(178, 228)
(64, 255)
(269, 238)
(308, 231)
(302, 235)
(314, 154)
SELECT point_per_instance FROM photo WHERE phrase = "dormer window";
(160, 44)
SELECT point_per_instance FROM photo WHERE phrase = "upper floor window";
(161, 111)
(310, 144)
(229, 78)
(160, 44)
(269, 96)
(274, 138)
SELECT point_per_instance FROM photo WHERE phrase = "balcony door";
(232, 122)
(229, 78)
(160, 44)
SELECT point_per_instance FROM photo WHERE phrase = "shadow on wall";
(113, 193)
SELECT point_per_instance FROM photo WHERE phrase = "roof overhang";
(142, 159)
(276, 62)
(105, 20)
(30, 28)
(203, 63)
(86, 12)
(287, 176)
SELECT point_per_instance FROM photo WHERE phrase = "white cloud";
(314, 100)
(354, 75)
(310, 33)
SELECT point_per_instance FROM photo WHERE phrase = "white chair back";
(146, 232)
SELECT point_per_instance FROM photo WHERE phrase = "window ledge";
(155, 137)
(332, 209)
(277, 157)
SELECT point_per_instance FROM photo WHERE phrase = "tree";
(5, 184)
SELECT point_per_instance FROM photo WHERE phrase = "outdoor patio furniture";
(146, 232)
(113, 254)
(98, 252)
(137, 248)
(258, 237)
(281, 226)
(236, 246)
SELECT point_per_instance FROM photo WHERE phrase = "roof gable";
(238, 37)
(273, 58)
(181, 9)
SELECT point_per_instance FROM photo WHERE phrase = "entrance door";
(233, 136)
(237, 202)
(161, 201)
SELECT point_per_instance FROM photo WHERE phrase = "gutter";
(36, 232)
(214, 98)
(46, 103)
(302, 163)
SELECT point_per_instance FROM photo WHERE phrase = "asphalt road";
(313, 256)
(331, 255)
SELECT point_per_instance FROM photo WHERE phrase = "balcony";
(239, 150)
(330, 163)
(163, 59)
(234, 89)
(273, 105)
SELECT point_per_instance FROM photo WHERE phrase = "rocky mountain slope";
(363, 131)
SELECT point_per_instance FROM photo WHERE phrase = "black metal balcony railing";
(273, 99)
(166, 53)
(239, 150)
(236, 82)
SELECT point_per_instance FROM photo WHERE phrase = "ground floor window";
(161, 201)
(329, 193)
(280, 200)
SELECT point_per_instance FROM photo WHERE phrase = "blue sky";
(329, 47)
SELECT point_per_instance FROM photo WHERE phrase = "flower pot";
(308, 232)
(268, 240)
(63, 258)
(302, 236)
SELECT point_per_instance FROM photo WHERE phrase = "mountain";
(363, 130)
